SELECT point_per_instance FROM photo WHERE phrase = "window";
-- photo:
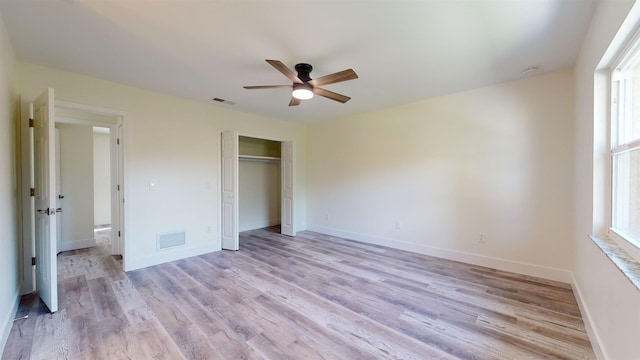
(625, 150)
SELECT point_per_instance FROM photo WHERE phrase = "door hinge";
(118, 233)
(31, 123)
(117, 141)
(118, 187)
(33, 261)
(32, 192)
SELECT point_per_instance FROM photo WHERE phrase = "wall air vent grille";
(173, 239)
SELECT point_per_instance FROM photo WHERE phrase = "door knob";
(45, 211)
(59, 210)
(60, 196)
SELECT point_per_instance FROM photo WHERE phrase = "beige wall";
(434, 175)
(9, 233)
(173, 143)
(609, 300)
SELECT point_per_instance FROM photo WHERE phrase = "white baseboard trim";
(78, 244)
(301, 227)
(7, 322)
(593, 334)
(165, 256)
(469, 258)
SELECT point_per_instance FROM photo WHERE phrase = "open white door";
(230, 236)
(42, 112)
(287, 163)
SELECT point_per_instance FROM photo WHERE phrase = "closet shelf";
(259, 158)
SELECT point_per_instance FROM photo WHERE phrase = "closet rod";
(259, 158)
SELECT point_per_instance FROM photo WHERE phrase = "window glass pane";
(628, 127)
(626, 193)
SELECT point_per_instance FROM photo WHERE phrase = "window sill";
(623, 261)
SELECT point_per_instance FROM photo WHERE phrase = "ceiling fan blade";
(334, 78)
(267, 87)
(294, 102)
(285, 70)
(331, 95)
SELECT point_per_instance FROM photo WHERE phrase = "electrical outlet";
(208, 228)
(482, 239)
(326, 217)
(398, 225)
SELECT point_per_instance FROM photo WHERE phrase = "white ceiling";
(403, 51)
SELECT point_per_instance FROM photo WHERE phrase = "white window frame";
(629, 56)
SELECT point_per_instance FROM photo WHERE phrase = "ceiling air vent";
(223, 101)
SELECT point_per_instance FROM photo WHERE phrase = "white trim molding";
(592, 333)
(544, 272)
(165, 256)
(7, 322)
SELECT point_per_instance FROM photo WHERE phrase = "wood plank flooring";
(309, 297)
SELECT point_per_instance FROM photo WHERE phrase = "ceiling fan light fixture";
(302, 91)
(304, 87)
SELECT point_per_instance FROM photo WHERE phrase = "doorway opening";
(89, 178)
(84, 191)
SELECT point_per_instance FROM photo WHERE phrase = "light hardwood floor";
(309, 297)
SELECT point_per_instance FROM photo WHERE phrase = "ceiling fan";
(304, 87)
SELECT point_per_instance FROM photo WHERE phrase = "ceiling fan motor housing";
(303, 71)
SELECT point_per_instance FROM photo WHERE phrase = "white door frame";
(118, 178)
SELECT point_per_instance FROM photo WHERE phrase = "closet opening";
(257, 180)
(258, 183)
